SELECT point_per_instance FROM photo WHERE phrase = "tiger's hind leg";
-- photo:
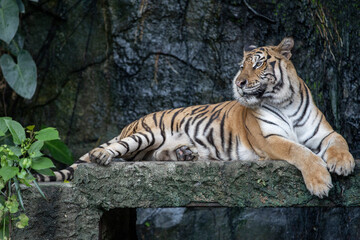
(184, 153)
(121, 147)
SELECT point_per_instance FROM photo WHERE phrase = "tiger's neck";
(297, 109)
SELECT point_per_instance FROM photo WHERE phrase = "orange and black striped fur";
(273, 117)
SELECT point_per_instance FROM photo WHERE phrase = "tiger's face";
(262, 74)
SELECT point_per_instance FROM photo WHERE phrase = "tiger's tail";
(66, 174)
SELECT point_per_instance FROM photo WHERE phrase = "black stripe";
(317, 150)
(80, 161)
(229, 145)
(161, 119)
(305, 108)
(42, 178)
(315, 131)
(162, 132)
(222, 132)
(280, 82)
(196, 133)
(218, 105)
(148, 129)
(305, 120)
(52, 179)
(266, 121)
(198, 116)
(136, 126)
(276, 113)
(199, 109)
(140, 143)
(70, 169)
(125, 145)
(62, 176)
(272, 123)
(229, 110)
(187, 126)
(173, 120)
(182, 121)
(154, 118)
(210, 139)
(271, 135)
(213, 116)
(272, 64)
(301, 100)
(111, 151)
(144, 135)
(133, 137)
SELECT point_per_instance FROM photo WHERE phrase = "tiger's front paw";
(340, 161)
(100, 156)
(317, 180)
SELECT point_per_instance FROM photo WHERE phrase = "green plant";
(21, 76)
(21, 154)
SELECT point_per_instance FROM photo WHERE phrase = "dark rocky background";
(102, 64)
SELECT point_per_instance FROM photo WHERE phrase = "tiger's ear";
(285, 47)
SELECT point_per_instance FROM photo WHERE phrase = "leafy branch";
(21, 75)
(22, 154)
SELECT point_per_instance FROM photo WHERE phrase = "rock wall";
(105, 63)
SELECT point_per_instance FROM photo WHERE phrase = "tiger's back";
(214, 131)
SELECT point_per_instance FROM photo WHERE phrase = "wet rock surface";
(245, 223)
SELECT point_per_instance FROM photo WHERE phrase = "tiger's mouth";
(257, 91)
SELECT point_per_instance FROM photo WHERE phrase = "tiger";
(272, 117)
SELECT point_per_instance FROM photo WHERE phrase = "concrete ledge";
(230, 184)
(73, 210)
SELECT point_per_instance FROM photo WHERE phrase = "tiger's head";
(265, 75)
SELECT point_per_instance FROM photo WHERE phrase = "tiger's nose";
(241, 83)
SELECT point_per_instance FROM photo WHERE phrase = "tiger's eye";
(258, 64)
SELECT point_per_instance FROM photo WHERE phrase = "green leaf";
(30, 127)
(23, 221)
(8, 172)
(12, 204)
(59, 151)
(3, 126)
(47, 134)
(9, 19)
(42, 163)
(47, 172)
(17, 131)
(17, 44)
(16, 150)
(36, 146)
(21, 76)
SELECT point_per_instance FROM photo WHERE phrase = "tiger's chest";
(275, 122)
